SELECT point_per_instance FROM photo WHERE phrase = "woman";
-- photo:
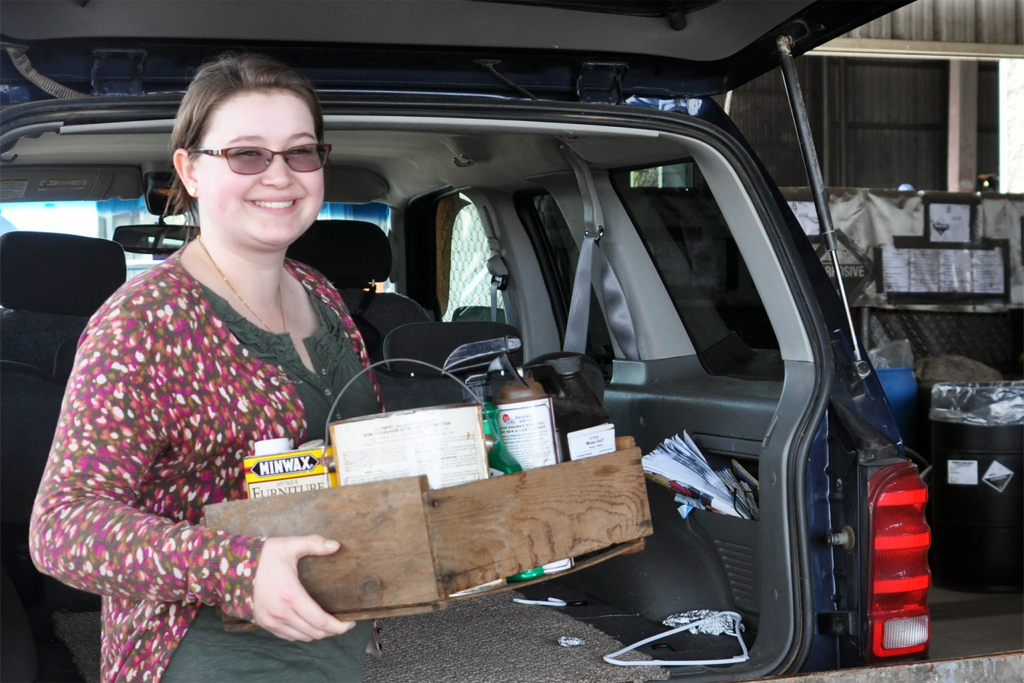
(178, 374)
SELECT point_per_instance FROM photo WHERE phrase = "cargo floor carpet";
(494, 640)
(480, 640)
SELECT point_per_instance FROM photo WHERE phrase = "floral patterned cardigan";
(161, 407)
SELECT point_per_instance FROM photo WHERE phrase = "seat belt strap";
(494, 299)
(579, 306)
(619, 319)
(510, 310)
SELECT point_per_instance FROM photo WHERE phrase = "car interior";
(723, 348)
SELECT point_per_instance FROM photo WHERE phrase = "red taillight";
(898, 620)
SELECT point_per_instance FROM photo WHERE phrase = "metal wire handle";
(369, 367)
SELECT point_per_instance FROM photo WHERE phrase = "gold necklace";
(280, 298)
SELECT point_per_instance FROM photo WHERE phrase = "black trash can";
(977, 489)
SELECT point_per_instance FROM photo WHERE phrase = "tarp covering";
(926, 250)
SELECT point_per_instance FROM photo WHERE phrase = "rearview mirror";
(158, 239)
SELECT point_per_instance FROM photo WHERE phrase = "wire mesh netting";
(984, 337)
(469, 289)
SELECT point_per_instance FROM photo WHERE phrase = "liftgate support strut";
(828, 231)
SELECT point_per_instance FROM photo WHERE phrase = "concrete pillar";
(1011, 125)
(962, 158)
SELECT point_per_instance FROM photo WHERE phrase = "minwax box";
(288, 472)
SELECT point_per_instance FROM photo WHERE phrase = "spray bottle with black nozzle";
(491, 356)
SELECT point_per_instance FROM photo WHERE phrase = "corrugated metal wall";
(760, 109)
(988, 118)
(958, 21)
(886, 121)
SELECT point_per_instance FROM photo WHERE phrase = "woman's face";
(267, 211)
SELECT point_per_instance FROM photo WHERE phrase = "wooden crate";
(406, 549)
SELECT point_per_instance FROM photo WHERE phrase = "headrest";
(53, 273)
(351, 254)
(434, 342)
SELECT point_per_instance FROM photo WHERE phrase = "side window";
(463, 281)
(557, 246)
(689, 241)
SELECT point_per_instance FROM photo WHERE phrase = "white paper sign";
(808, 217)
(962, 472)
(924, 270)
(955, 272)
(896, 269)
(989, 276)
(949, 223)
(947, 271)
(998, 476)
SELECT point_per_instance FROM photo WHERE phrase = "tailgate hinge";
(117, 72)
(601, 82)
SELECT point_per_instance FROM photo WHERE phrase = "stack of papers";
(679, 465)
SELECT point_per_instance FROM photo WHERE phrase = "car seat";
(409, 385)
(354, 256)
(49, 286)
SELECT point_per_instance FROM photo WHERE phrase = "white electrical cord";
(736, 618)
(550, 602)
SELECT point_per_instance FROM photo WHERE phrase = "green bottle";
(498, 459)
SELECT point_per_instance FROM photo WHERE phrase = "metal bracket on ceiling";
(117, 72)
(601, 82)
(676, 15)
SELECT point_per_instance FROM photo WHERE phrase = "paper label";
(587, 443)
(962, 472)
(528, 431)
(13, 188)
(446, 444)
(998, 476)
(280, 473)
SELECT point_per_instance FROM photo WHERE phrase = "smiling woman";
(160, 406)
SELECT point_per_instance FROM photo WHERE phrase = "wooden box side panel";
(491, 529)
(385, 558)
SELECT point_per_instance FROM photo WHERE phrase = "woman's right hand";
(281, 604)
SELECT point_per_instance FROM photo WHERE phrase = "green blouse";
(332, 355)
(208, 652)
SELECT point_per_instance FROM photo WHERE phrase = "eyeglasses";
(253, 160)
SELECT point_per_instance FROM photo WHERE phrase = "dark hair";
(221, 79)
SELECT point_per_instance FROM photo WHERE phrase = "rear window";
(99, 219)
(689, 241)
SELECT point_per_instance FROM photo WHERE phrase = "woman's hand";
(280, 602)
